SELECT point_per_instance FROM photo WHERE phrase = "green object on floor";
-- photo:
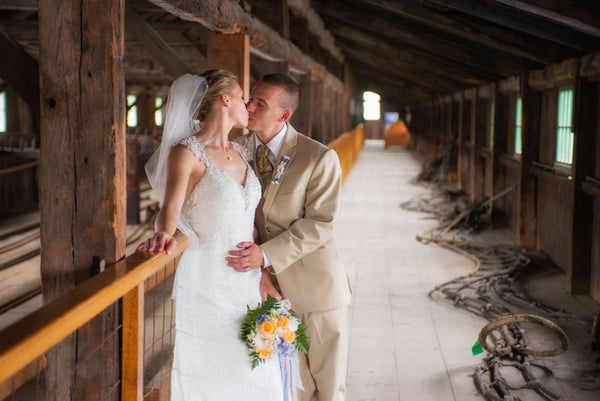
(476, 349)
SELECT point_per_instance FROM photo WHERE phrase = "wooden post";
(317, 112)
(133, 167)
(500, 147)
(82, 178)
(459, 142)
(231, 52)
(529, 152)
(132, 377)
(302, 118)
(281, 18)
(585, 127)
(12, 111)
(473, 148)
(145, 112)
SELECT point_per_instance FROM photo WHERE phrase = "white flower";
(293, 324)
(285, 304)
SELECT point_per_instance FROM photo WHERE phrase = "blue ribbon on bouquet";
(285, 365)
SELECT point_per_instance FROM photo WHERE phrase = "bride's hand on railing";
(160, 241)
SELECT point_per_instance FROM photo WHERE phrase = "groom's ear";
(286, 115)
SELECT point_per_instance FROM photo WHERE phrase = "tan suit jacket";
(295, 223)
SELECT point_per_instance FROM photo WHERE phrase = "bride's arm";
(179, 172)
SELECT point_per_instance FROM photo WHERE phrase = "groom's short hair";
(290, 87)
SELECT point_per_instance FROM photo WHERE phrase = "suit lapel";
(288, 149)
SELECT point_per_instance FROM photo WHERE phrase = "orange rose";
(289, 337)
(264, 353)
(268, 328)
(282, 322)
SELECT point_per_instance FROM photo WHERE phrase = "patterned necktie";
(264, 165)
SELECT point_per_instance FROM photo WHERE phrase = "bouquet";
(272, 328)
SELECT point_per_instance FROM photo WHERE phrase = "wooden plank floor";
(404, 345)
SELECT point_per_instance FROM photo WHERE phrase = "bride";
(209, 192)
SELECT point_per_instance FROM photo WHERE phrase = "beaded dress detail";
(211, 363)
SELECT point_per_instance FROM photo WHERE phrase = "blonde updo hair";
(220, 82)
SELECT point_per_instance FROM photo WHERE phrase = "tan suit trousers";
(323, 373)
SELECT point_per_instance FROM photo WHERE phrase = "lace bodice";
(219, 207)
(220, 212)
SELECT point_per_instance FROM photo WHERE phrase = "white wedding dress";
(211, 362)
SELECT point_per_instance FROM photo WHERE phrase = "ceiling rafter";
(522, 22)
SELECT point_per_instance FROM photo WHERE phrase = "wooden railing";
(30, 338)
(348, 146)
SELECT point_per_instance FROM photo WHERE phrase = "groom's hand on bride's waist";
(246, 257)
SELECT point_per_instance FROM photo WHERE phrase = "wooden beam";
(590, 66)
(570, 13)
(381, 30)
(260, 66)
(406, 59)
(19, 5)
(22, 73)
(82, 174)
(521, 22)
(156, 45)
(554, 75)
(231, 18)
(460, 30)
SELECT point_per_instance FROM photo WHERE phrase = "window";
(3, 111)
(131, 111)
(371, 108)
(564, 134)
(518, 124)
(390, 117)
(158, 111)
(491, 124)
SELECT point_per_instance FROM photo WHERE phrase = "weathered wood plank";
(82, 174)
(585, 124)
(554, 75)
(302, 118)
(231, 52)
(527, 223)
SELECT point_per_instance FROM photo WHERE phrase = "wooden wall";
(549, 208)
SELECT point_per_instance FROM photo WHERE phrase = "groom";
(301, 182)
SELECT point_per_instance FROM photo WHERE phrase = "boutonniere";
(280, 169)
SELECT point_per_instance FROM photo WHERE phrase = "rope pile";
(489, 291)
